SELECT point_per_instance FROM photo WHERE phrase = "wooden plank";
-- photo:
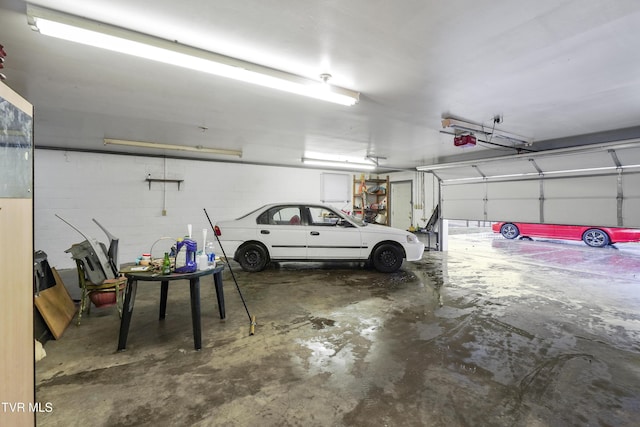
(16, 310)
(56, 306)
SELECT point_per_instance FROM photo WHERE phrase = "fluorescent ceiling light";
(334, 163)
(92, 33)
(158, 146)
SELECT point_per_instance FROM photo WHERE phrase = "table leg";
(217, 280)
(127, 312)
(194, 287)
(164, 291)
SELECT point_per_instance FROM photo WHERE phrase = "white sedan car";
(313, 232)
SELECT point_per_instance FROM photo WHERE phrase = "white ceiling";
(552, 68)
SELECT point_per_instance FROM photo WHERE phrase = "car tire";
(253, 257)
(387, 258)
(595, 238)
(509, 231)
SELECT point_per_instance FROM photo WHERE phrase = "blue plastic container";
(189, 248)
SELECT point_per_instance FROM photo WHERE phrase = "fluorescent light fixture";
(338, 164)
(155, 145)
(97, 34)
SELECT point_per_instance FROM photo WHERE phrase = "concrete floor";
(491, 333)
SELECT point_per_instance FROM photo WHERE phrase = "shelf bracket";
(177, 181)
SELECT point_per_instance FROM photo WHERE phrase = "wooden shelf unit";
(371, 200)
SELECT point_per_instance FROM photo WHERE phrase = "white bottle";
(211, 256)
(202, 261)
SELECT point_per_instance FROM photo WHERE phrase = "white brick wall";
(112, 189)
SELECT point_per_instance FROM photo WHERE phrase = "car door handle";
(315, 233)
(264, 232)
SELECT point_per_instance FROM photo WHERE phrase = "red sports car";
(592, 236)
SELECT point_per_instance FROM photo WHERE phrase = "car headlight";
(412, 238)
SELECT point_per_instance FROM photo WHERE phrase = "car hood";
(383, 229)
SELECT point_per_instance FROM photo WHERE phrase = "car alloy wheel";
(595, 238)
(509, 231)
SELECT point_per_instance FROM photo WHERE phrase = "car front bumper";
(414, 251)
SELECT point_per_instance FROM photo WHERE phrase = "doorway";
(402, 204)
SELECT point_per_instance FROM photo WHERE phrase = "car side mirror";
(343, 223)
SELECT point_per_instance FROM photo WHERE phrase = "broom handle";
(229, 265)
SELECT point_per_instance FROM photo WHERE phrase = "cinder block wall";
(112, 189)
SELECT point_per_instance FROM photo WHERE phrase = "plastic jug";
(188, 249)
(203, 262)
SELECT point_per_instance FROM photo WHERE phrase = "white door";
(401, 205)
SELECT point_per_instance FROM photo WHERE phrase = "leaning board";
(56, 306)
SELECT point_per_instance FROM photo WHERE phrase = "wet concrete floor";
(491, 333)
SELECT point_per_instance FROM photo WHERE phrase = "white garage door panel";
(575, 211)
(463, 201)
(628, 156)
(576, 162)
(631, 213)
(514, 167)
(581, 201)
(631, 202)
(581, 187)
(513, 201)
(631, 185)
(511, 189)
(516, 210)
(463, 209)
(458, 173)
(475, 191)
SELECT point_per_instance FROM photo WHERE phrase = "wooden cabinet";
(371, 200)
(16, 260)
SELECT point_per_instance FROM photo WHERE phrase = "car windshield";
(357, 221)
(353, 219)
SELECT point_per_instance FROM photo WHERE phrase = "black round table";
(194, 288)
